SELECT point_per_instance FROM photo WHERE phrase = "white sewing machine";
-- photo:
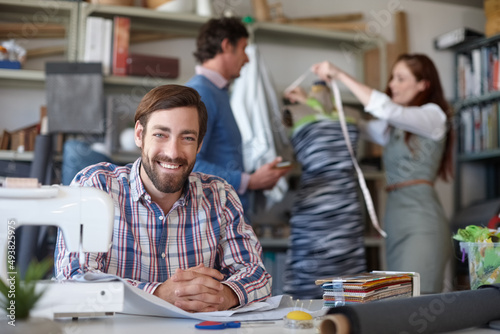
(85, 216)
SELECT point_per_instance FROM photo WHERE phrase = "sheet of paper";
(139, 302)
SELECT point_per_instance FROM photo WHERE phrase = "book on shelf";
(493, 120)
(456, 38)
(476, 117)
(479, 128)
(98, 42)
(20, 140)
(107, 47)
(121, 39)
(5, 141)
(478, 71)
(93, 39)
(466, 131)
(369, 287)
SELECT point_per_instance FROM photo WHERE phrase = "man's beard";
(166, 183)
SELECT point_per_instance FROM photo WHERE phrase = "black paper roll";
(424, 314)
(29, 236)
(42, 160)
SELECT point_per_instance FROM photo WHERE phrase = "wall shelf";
(473, 100)
(35, 14)
(22, 79)
(480, 156)
(478, 129)
(74, 14)
(16, 156)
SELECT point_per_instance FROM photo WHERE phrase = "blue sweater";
(221, 152)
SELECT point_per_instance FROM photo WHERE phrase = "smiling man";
(178, 235)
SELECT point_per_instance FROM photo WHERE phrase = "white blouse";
(428, 120)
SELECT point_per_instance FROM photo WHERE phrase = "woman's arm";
(327, 71)
(427, 120)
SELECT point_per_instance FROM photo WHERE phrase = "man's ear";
(226, 45)
(199, 147)
(139, 131)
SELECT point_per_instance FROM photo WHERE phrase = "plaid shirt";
(206, 225)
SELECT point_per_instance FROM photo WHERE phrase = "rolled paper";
(335, 323)
(435, 313)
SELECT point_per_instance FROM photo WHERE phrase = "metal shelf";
(479, 156)
(486, 161)
(16, 156)
(474, 100)
(74, 15)
(119, 84)
(37, 13)
(36, 79)
(22, 78)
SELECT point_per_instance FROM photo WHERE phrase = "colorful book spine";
(121, 41)
(107, 46)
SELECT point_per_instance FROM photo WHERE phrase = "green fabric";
(318, 107)
(313, 103)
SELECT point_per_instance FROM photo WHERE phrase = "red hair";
(423, 68)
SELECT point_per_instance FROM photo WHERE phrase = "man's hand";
(197, 289)
(267, 175)
(298, 94)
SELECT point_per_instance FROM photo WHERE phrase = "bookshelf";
(145, 21)
(477, 108)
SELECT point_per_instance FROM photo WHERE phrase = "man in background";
(221, 53)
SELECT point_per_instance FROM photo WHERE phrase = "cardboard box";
(492, 26)
(492, 13)
(491, 8)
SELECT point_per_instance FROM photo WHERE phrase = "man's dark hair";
(169, 97)
(212, 33)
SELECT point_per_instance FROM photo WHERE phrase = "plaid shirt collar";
(138, 191)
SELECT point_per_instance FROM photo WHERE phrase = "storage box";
(152, 66)
(491, 8)
(492, 26)
(13, 65)
(492, 13)
(484, 262)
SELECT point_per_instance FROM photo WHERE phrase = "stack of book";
(107, 41)
(368, 287)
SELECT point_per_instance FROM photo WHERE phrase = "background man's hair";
(212, 33)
